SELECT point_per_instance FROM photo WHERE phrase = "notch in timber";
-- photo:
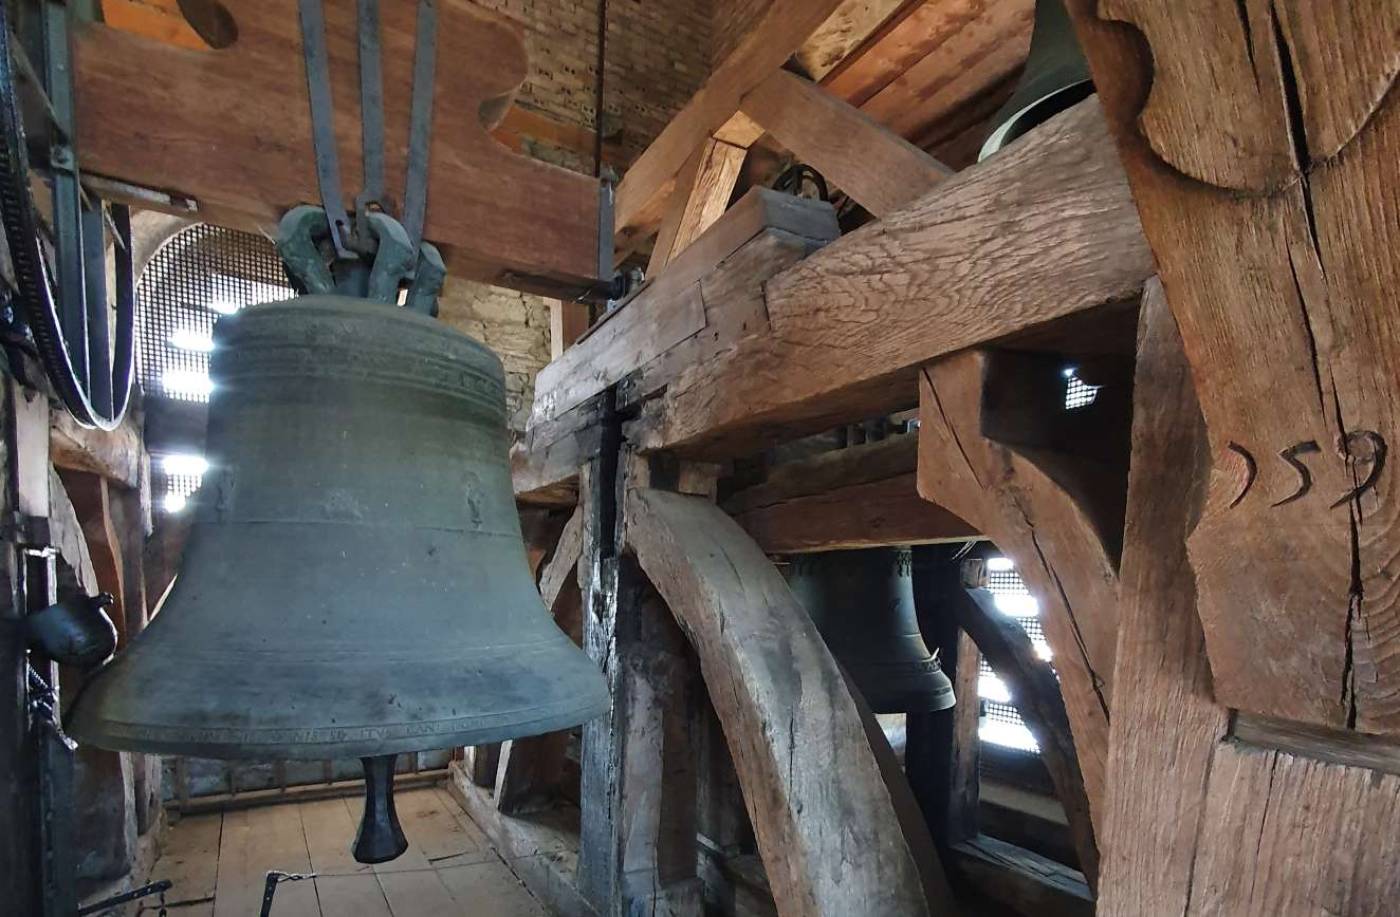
(1333, 746)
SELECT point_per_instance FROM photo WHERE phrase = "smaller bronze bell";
(1056, 77)
(863, 604)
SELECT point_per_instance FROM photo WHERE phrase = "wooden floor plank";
(344, 887)
(490, 889)
(430, 823)
(255, 841)
(409, 883)
(191, 858)
(418, 894)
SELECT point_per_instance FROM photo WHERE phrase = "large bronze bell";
(1055, 78)
(355, 584)
(863, 604)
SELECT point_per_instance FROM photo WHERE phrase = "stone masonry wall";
(514, 325)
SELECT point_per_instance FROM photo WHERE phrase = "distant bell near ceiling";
(863, 604)
(355, 584)
(1055, 78)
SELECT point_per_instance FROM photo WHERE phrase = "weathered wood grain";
(849, 25)
(700, 197)
(231, 129)
(786, 714)
(1044, 230)
(876, 167)
(1284, 297)
(1165, 721)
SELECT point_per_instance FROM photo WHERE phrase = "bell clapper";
(380, 837)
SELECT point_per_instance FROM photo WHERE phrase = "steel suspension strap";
(395, 252)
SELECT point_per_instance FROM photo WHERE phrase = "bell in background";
(355, 584)
(863, 604)
(1055, 78)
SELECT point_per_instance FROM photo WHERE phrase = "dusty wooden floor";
(221, 861)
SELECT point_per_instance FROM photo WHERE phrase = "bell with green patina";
(863, 604)
(355, 583)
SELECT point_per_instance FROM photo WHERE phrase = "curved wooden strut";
(829, 836)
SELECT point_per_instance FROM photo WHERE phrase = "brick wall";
(732, 19)
(658, 54)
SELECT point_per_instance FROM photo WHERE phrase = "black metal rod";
(420, 124)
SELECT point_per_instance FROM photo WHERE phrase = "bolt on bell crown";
(355, 583)
(863, 604)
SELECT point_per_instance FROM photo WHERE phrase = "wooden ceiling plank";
(844, 31)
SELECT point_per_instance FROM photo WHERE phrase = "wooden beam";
(201, 124)
(1166, 724)
(843, 32)
(1015, 501)
(860, 496)
(642, 193)
(808, 816)
(116, 455)
(876, 167)
(1022, 881)
(700, 197)
(567, 323)
(1035, 691)
(1055, 233)
(1275, 222)
(637, 851)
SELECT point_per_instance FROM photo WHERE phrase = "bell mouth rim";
(1037, 111)
(322, 743)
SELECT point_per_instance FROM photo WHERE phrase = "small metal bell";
(863, 604)
(74, 632)
(1055, 78)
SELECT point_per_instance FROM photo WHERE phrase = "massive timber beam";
(230, 128)
(1043, 231)
(1007, 250)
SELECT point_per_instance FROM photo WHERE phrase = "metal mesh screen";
(1001, 723)
(200, 273)
(1078, 393)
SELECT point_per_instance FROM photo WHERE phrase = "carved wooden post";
(1260, 140)
(637, 847)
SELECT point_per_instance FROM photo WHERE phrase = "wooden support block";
(638, 820)
(117, 455)
(199, 123)
(1023, 881)
(1270, 204)
(786, 716)
(876, 167)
